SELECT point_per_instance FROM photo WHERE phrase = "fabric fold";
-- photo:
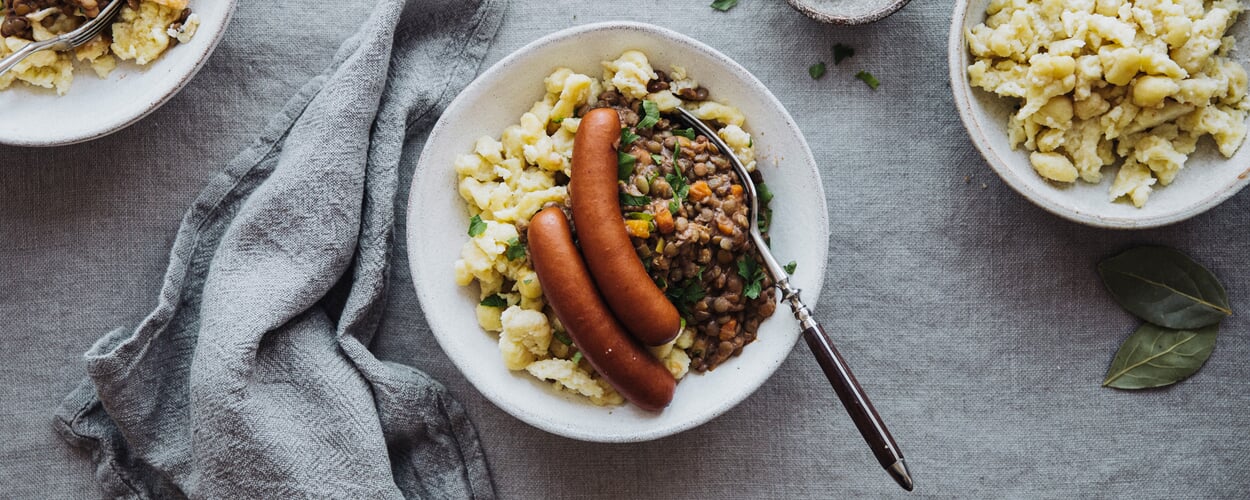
(252, 376)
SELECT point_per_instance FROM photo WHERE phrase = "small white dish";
(96, 107)
(438, 218)
(848, 12)
(1207, 180)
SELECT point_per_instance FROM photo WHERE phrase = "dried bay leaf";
(1165, 287)
(1154, 356)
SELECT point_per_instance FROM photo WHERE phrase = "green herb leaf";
(867, 77)
(577, 357)
(562, 337)
(816, 70)
(515, 249)
(765, 195)
(677, 180)
(687, 133)
(1165, 287)
(630, 200)
(557, 120)
(652, 115)
(750, 270)
(1154, 356)
(639, 216)
(476, 226)
(724, 5)
(841, 52)
(624, 165)
(791, 267)
(683, 295)
(657, 159)
(495, 301)
(627, 136)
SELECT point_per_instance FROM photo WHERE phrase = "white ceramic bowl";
(1207, 180)
(437, 219)
(96, 107)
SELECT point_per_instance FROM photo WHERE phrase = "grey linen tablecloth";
(974, 319)
(252, 378)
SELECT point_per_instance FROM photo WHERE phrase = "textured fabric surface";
(252, 377)
(974, 319)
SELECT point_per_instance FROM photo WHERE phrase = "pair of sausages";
(630, 300)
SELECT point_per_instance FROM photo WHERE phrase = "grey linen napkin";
(252, 377)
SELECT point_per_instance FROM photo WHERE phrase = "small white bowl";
(438, 218)
(1207, 180)
(847, 12)
(95, 107)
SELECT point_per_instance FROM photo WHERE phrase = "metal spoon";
(66, 41)
(844, 384)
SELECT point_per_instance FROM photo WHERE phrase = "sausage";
(624, 283)
(567, 285)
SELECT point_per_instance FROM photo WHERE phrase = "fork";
(863, 415)
(66, 41)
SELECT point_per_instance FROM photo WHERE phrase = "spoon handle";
(852, 396)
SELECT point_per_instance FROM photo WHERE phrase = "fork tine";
(95, 26)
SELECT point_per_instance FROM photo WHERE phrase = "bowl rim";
(126, 119)
(962, 90)
(769, 99)
(852, 20)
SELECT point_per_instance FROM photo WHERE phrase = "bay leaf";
(1165, 287)
(1154, 356)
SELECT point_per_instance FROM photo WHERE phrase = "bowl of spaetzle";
(1117, 113)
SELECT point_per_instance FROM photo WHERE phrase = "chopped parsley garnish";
(494, 301)
(867, 77)
(841, 52)
(639, 216)
(751, 271)
(652, 115)
(557, 120)
(630, 200)
(515, 249)
(577, 357)
(657, 159)
(476, 226)
(562, 337)
(724, 5)
(816, 70)
(765, 195)
(790, 267)
(683, 295)
(627, 136)
(687, 133)
(680, 189)
(624, 165)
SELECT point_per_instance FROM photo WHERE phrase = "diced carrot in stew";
(664, 221)
(638, 228)
(699, 191)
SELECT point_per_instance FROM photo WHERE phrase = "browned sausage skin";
(617, 270)
(567, 285)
